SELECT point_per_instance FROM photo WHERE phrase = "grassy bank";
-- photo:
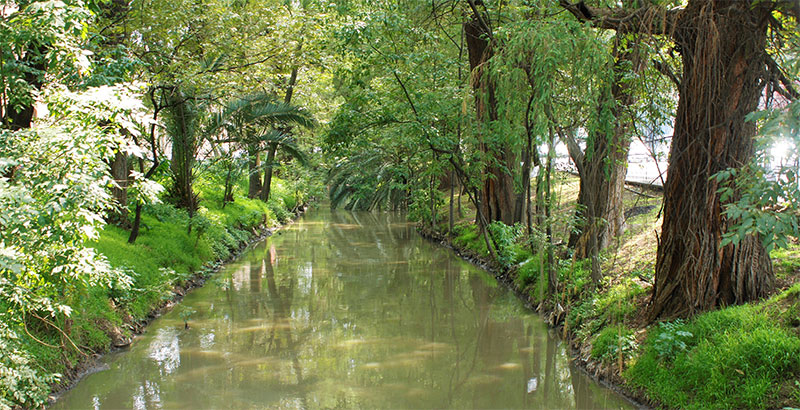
(166, 260)
(737, 357)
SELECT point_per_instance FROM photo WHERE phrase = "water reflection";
(345, 310)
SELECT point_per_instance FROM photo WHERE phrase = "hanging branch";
(481, 218)
(648, 19)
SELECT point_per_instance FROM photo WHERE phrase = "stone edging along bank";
(91, 363)
(579, 350)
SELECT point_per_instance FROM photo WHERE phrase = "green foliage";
(613, 342)
(761, 197)
(40, 38)
(670, 339)
(368, 181)
(530, 270)
(618, 303)
(468, 235)
(735, 357)
(509, 240)
(54, 201)
(419, 208)
(575, 276)
(583, 317)
(21, 384)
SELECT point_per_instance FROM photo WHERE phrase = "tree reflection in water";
(349, 310)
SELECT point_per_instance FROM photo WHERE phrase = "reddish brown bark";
(723, 46)
(497, 193)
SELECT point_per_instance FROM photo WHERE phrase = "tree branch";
(665, 69)
(646, 20)
(783, 85)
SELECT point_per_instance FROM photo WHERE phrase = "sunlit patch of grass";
(732, 358)
(786, 262)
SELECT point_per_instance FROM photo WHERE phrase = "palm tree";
(256, 122)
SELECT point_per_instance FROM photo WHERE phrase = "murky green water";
(345, 310)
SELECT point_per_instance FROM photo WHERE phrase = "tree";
(497, 194)
(53, 205)
(725, 67)
(183, 116)
(39, 38)
(255, 122)
(602, 166)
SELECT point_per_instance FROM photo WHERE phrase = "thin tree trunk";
(723, 47)
(552, 283)
(228, 195)
(433, 204)
(265, 191)
(452, 195)
(600, 211)
(253, 165)
(120, 170)
(273, 147)
(137, 219)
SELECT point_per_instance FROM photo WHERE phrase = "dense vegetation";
(143, 142)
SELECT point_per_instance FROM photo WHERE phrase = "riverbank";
(738, 357)
(166, 262)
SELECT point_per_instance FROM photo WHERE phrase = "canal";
(344, 310)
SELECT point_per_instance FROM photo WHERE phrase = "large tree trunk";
(497, 193)
(723, 46)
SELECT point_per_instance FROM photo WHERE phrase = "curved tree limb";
(646, 20)
(665, 69)
(782, 85)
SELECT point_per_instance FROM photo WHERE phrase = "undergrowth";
(738, 357)
(164, 256)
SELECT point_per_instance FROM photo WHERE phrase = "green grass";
(612, 342)
(467, 235)
(739, 357)
(532, 277)
(786, 261)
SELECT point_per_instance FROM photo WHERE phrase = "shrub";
(612, 342)
(20, 383)
(670, 339)
(468, 236)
